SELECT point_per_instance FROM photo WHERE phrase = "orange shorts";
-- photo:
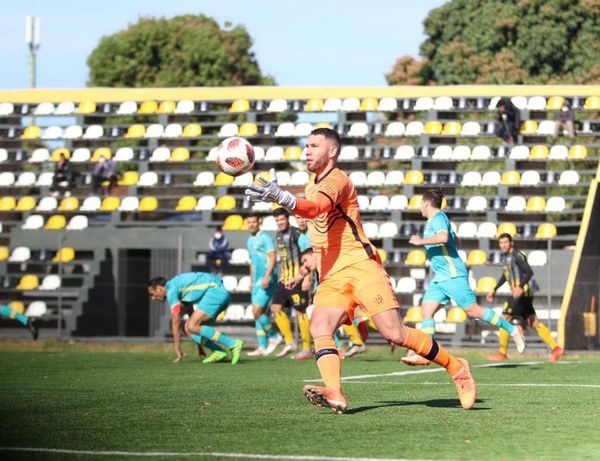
(365, 284)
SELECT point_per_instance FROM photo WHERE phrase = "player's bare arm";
(440, 237)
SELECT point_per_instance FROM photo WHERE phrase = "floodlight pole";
(33, 29)
(549, 284)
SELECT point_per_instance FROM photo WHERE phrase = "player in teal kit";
(8, 312)
(261, 248)
(450, 279)
(208, 297)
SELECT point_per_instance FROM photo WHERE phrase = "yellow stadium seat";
(416, 258)
(538, 152)
(56, 154)
(225, 202)
(555, 102)
(129, 178)
(546, 231)
(433, 127)
(166, 107)
(69, 204)
(292, 153)
(476, 258)
(101, 152)
(452, 129)
(444, 203)
(26, 203)
(313, 105)
(233, 222)
(577, 152)
(17, 306)
(456, 315)
(135, 131)
(510, 178)
(240, 105)
(369, 104)
(64, 255)
(536, 204)
(28, 282)
(414, 314)
(180, 154)
(148, 107)
(110, 204)
(148, 204)
(86, 107)
(263, 174)
(485, 284)
(223, 179)
(592, 103)
(414, 177)
(192, 130)
(31, 132)
(322, 125)
(7, 203)
(56, 222)
(186, 203)
(4, 253)
(529, 127)
(415, 202)
(382, 254)
(248, 130)
(506, 228)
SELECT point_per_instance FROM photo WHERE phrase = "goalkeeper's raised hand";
(269, 191)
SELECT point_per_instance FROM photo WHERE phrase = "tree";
(178, 52)
(508, 42)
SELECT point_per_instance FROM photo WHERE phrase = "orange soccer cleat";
(498, 357)
(328, 397)
(465, 386)
(414, 359)
(556, 354)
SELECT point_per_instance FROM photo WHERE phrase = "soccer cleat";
(273, 343)
(556, 354)
(33, 329)
(258, 352)
(320, 396)
(497, 357)
(216, 356)
(302, 355)
(354, 350)
(236, 351)
(465, 386)
(286, 350)
(414, 359)
(519, 339)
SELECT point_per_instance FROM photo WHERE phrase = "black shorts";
(519, 308)
(296, 297)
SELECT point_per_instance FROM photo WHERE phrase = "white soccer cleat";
(273, 343)
(519, 339)
(354, 350)
(286, 350)
(258, 352)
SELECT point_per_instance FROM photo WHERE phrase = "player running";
(350, 273)
(450, 280)
(8, 312)
(209, 298)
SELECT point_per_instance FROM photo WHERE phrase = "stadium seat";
(4, 253)
(94, 132)
(592, 103)
(529, 127)
(487, 230)
(442, 152)
(180, 154)
(81, 155)
(6, 108)
(36, 309)
(227, 130)
(471, 179)
(166, 107)
(148, 179)
(539, 152)
(506, 228)
(135, 131)
(477, 203)
(485, 285)
(292, 153)
(277, 105)
(68, 204)
(56, 153)
(186, 203)
(510, 178)
(39, 155)
(568, 178)
(358, 178)
(244, 180)
(460, 153)
(388, 229)
(204, 178)
(7, 179)
(416, 258)
(471, 129)
(160, 154)
(248, 130)
(172, 130)
(398, 202)
(45, 179)
(423, 103)
(33, 222)
(537, 258)
(414, 128)
(467, 230)
(443, 103)
(395, 129)
(546, 231)
(414, 314)
(577, 152)
(148, 204)
(185, 106)
(50, 283)
(313, 105)
(47, 204)
(127, 108)
(206, 203)
(371, 229)
(414, 177)
(299, 178)
(546, 128)
(28, 282)
(555, 205)
(78, 222)
(536, 103)
(481, 153)
(405, 152)
(234, 222)
(86, 107)
(555, 103)
(25, 179)
(64, 255)
(274, 154)
(154, 130)
(130, 203)
(456, 315)
(223, 179)
(31, 132)
(369, 104)
(516, 203)
(432, 127)
(123, 154)
(17, 306)
(56, 222)
(452, 129)
(536, 204)
(387, 105)
(348, 153)
(358, 129)
(52, 132)
(240, 256)
(376, 179)
(477, 258)
(558, 152)
(394, 178)
(7, 203)
(415, 202)
(3, 155)
(73, 132)
(26, 203)
(519, 101)
(303, 129)
(225, 202)
(20, 254)
(379, 203)
(129, 178)
(194, 130)
(102, 152)
(91, 204)
(110, 203)
(520, 152)
(332, 105)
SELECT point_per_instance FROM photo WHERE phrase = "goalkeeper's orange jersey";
(337, 236)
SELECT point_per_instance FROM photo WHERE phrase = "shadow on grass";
(435, 403)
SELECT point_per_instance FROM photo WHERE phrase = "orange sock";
(328, 361)
(427, 347)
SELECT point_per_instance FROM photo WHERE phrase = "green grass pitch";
(130, 402)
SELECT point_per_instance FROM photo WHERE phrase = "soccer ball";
(235, 156)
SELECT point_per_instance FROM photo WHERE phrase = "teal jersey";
(444, 259)
(304, 241)
(190, 287)
(259, 246)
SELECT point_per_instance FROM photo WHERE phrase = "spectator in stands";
(565, 120)
(507, 127)
(63, 176)
(219, 252)
(104, 171)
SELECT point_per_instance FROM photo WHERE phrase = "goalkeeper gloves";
(269, 191)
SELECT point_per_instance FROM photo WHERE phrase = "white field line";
(591, 386)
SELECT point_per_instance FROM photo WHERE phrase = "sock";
(427, 347)
(489, 316)
(285, 327)
(363, 329)
(338, 342)
(353, 334)
(428, 327)
(10, 313)
(304, 326)
(260, 335)
(328, 361)
(267, 326)
(210, 345)
(504, 337)
(216, 336)
(544, 332)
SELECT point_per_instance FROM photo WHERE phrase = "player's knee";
(395, 334)
(474, 311)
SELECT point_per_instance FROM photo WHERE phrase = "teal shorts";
(215, 301)
(261, 297)
(457, 289)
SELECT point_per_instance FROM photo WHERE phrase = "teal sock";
(206, 343)
(9, 313)
(260, 335)
(215, 335)
(489, 316)
(338, 341)
(428, 327)
(266, 325)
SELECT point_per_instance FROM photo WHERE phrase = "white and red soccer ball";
(235, 156)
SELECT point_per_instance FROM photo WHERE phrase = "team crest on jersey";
(378, 299)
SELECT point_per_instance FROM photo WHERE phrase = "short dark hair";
(157, 281)
(253, 215)
(281, 212)
(505, 235)
(307, 251)
(328, 133)
(434, 196)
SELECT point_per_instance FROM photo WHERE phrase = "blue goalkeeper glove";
(269, 191)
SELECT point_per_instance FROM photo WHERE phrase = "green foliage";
(507, 42)
(178, 52)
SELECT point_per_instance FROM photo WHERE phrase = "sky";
(300, 43)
